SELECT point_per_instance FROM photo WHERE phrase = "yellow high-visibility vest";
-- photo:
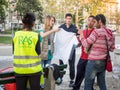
(26, 60)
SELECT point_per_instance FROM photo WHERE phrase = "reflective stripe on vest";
(26, 57)
(27, 65)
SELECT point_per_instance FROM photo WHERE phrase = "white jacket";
(63, 43)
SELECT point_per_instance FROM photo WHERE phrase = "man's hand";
(81, 34)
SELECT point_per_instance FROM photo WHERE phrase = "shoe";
(71, 84)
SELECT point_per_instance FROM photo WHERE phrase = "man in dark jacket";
(69, 27)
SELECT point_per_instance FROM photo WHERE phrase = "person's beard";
(90, 26)
(98, 27)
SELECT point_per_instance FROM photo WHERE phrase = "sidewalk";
(5, 50)
(9, 35)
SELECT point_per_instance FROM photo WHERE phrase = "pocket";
(100, 64)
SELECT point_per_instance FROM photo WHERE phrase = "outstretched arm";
(44, 34)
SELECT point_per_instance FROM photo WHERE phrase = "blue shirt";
(72, 28)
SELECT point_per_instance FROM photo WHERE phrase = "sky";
(119, 4)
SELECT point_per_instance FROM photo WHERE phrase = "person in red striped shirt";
(98, 52)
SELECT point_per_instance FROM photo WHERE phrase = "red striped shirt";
(86, 34)
(84, 55)
(98, 40)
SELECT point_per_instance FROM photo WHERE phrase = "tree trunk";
(76, 17)
(3, 29)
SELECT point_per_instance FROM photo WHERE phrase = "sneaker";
(71, 84)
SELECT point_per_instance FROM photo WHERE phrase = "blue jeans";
(45, 62)
(95, 68)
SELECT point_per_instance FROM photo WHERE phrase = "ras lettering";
(25, 40)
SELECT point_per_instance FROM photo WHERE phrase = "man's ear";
(100, 22)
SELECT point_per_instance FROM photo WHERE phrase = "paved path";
(9, 35)
(5, 50)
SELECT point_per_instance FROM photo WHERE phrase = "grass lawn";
(5, 40)
(7, 32)
(10, 31)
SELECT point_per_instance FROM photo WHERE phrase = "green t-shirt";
(41, 39)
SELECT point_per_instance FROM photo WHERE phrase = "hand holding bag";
(108, 59)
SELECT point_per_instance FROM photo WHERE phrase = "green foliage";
(73, 18)
(3, 2)
(94, 7)
(80, 18)
(50, 7)
(34, 6)
(3, 6)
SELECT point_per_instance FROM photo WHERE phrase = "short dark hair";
(101, 17)
(68, 14)
(28, 20)
(91, 16)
